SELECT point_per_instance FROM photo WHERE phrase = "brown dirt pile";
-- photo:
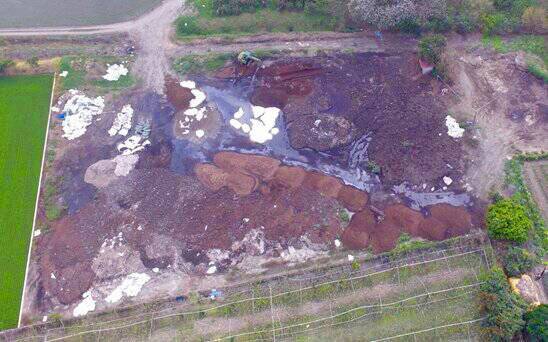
(443, 221)
(244, 174)
(178, 96)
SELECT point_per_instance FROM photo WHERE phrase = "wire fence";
(305, 303)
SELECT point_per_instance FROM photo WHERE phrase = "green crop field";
(24, 106)
(55, 13)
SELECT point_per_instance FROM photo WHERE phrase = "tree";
(503, 308)
(507, 220)
(519, 261)
(431, 47)
(537, 323)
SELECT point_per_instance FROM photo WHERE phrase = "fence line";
(352, 310)
(274, 296)
(430, 329)
(464, 238)
(240, 301)
(373, 313)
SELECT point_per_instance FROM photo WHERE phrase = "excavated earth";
(222, 200)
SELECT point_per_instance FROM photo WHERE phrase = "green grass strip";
(24, 107)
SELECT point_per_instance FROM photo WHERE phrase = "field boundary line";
(192, 312)
(44, 148)
(430, 329)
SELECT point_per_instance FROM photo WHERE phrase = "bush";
(519, 261)
(507, 220)
(235, 7)
(409, 26)
(495, 23)
(463, 24)
(4, 64)
(503, 308)
(538, 71)
(188, 26)
(431, 48)
(33, 61)
(536, 325)
(534, 19)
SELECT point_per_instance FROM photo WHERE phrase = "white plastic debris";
(155, 270)
(262, 128)
(239, 114)
(115, 71)
(85, 306)
(200, 133)
(235, 123)
(350, 257)
(122, 122)
(188, 84)
(130, 287)
(133, 145)
(447, 180)
(44, 319)
(337, 243)
(79, 112)
(453, 128)
(211, 269)
(37, 232)
(52, 276)
(199, 97)
(63, 73)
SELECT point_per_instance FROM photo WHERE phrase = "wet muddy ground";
(357, 154)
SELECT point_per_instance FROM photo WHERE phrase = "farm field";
(39, 13)
(24, 102)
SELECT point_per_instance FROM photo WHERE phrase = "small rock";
(155, 270)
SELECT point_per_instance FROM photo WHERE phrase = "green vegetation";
(24, 105)
(373, 167)
(49, 195)
(344, 216)
(503, 308)
(4, 64)
(201, 63)
(507, 220)
(538, 243)
(519, 261)
(536, 326)
(237, 17)
(78, 77)
(533, 45)
(415, 16)
(406, 245)
(431, 48)
(538, 71)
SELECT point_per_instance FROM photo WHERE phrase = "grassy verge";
(532, 44)
(80, 77)
(194, 64)
(256, 20)
(24, 104)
